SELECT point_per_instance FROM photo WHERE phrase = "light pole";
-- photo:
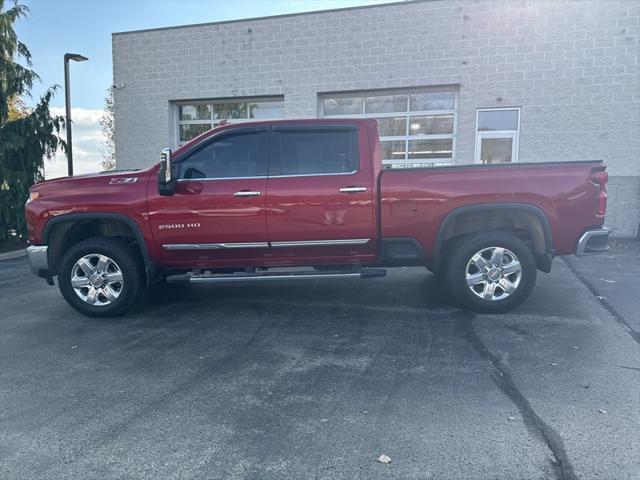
(67, 100)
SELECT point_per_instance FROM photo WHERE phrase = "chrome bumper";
(38, 260)
(593, 241)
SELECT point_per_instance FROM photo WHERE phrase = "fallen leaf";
(384, 459)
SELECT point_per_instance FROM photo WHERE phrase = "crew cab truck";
(309, 199)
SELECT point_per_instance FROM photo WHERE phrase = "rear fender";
(543, 258)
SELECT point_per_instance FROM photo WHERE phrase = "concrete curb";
(13, 254)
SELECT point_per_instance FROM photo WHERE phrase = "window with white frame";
(417, 127)
(194, 118)
(497, 135)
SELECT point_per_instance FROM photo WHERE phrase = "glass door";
(497, 135)
(496, 147)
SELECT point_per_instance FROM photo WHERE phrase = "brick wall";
(571, 66)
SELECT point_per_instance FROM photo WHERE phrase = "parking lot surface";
(317, 379)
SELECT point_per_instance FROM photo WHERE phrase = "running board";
(209, 277)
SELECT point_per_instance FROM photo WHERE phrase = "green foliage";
(27, 136)
(16, 80)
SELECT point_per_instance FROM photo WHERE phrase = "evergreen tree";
(27, 136)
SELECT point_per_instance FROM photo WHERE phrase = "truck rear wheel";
(100, 277)
(491, 272)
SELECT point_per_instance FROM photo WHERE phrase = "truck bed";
(415, 202)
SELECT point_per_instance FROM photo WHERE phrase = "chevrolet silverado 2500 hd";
(258, 201)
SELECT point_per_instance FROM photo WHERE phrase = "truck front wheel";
(491, 272)
(100, 277)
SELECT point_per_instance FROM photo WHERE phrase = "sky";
(56, 27)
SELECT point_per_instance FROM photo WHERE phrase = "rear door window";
(314, 151)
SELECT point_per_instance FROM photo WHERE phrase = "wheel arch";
(522, 217)
(64, 230)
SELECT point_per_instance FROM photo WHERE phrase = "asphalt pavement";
(317, 379)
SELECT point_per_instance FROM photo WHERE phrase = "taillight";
(600, 178)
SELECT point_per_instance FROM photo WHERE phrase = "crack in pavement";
(637, 369)
(504, 381)
(603, 301)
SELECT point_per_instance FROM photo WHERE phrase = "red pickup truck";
(309, 199)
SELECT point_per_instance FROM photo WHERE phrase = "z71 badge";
(119, 180)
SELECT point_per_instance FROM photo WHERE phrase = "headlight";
(33, 196)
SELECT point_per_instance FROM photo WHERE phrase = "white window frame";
(407, 113)
(176, 122)
(514, 135)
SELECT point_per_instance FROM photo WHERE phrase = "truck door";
(320, 204)
(217, 215)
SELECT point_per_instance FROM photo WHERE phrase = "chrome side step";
(209, 277)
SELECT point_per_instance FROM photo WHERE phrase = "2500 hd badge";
(178, 225)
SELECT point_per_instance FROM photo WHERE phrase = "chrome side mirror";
(166, 182)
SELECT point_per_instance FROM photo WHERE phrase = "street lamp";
(67, 100)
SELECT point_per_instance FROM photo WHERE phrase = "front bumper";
(39, 261)
(593, 241)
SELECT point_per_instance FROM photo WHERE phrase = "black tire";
(460, 257)
(127, 260)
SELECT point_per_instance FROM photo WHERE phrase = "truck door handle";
(353, 189)
(247, 193)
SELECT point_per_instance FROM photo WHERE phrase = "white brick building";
(563, 74)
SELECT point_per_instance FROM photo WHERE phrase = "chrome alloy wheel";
(493, 273)
(97, 279)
